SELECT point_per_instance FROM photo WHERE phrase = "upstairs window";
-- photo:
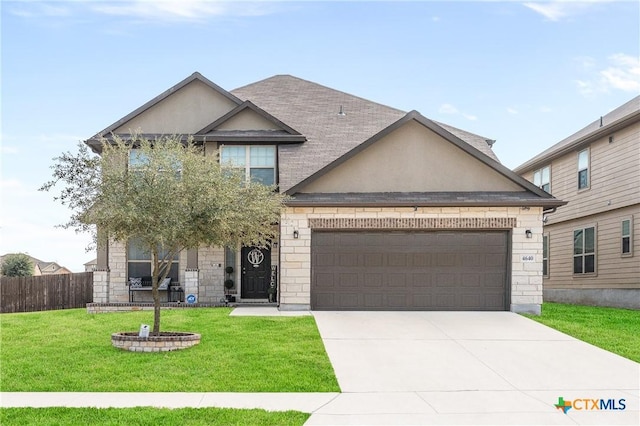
(542, 178)
(584, 251)
(258, 162)
(583, 169)
(627, 240)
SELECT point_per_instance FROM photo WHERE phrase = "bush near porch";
(71, 351)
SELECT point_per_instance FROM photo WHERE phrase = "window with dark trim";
(542, 178)
(545, 255)
(584, 250)
(627, 238)
(583, 169)
(139, 262)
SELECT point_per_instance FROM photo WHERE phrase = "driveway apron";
(468, 368)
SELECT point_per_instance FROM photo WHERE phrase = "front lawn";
(142, 416)
(71, 351)
(615, 330)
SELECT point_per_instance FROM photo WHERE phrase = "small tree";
(17, 265)
(168, 195)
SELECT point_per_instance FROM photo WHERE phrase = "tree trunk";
(155, 275)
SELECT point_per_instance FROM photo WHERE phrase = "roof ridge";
(318, 85)
(585, 132)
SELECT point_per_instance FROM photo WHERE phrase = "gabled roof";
(285, 132)
(445, 134)
(617, 119)
(333, 122)
(195, 76)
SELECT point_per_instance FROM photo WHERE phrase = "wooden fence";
(46, 292)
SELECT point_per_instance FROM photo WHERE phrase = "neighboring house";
(91, 265)
(389, 210)
(592, 245)
(44, 268)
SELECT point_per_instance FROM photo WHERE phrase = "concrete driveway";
(469, 368)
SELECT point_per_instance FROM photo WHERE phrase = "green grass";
(71, 351)
(147, 416)
(615, 330)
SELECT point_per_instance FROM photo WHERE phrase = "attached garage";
(410, 270)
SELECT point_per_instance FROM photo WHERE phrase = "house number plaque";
(255, 257)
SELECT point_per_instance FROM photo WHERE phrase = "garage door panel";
(471, 280)
(324, 280)
(397, 280)
(347, 279)
(324, 259)
(444, 270)
(373, 280)
(371, 260)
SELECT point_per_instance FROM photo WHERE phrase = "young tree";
(168, 195)
(17, 265)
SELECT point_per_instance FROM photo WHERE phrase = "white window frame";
(539, 179)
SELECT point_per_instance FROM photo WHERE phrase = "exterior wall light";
(529, 233)
(296, 234)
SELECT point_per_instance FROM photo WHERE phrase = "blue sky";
(527, 74)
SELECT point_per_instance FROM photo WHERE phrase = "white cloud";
(181, 10)
(560, 9)
(157, 11)
(450, 109)
(4, 149)
(512, 111)
(622, 72)
(545, 109)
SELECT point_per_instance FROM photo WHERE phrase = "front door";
(256, 270)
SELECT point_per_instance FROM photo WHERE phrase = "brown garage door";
(409, 271)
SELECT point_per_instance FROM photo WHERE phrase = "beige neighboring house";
(44, 268)
(592, 244)
(91, 265)
(389, 210)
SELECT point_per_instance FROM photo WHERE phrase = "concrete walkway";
(426, 368)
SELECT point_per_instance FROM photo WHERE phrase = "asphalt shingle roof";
(314, 110)
(627, 109)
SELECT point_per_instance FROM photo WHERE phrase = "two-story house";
(591, 245)
(389, 210)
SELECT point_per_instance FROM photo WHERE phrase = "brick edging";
(414, 223)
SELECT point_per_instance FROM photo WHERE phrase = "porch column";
(101, 275)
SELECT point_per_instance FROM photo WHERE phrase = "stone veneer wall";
(526, 277)
(210, 274)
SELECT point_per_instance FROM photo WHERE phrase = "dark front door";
(256, 270)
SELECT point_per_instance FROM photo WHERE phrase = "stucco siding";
(411, 159)
(247, 120)
(186, 111)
